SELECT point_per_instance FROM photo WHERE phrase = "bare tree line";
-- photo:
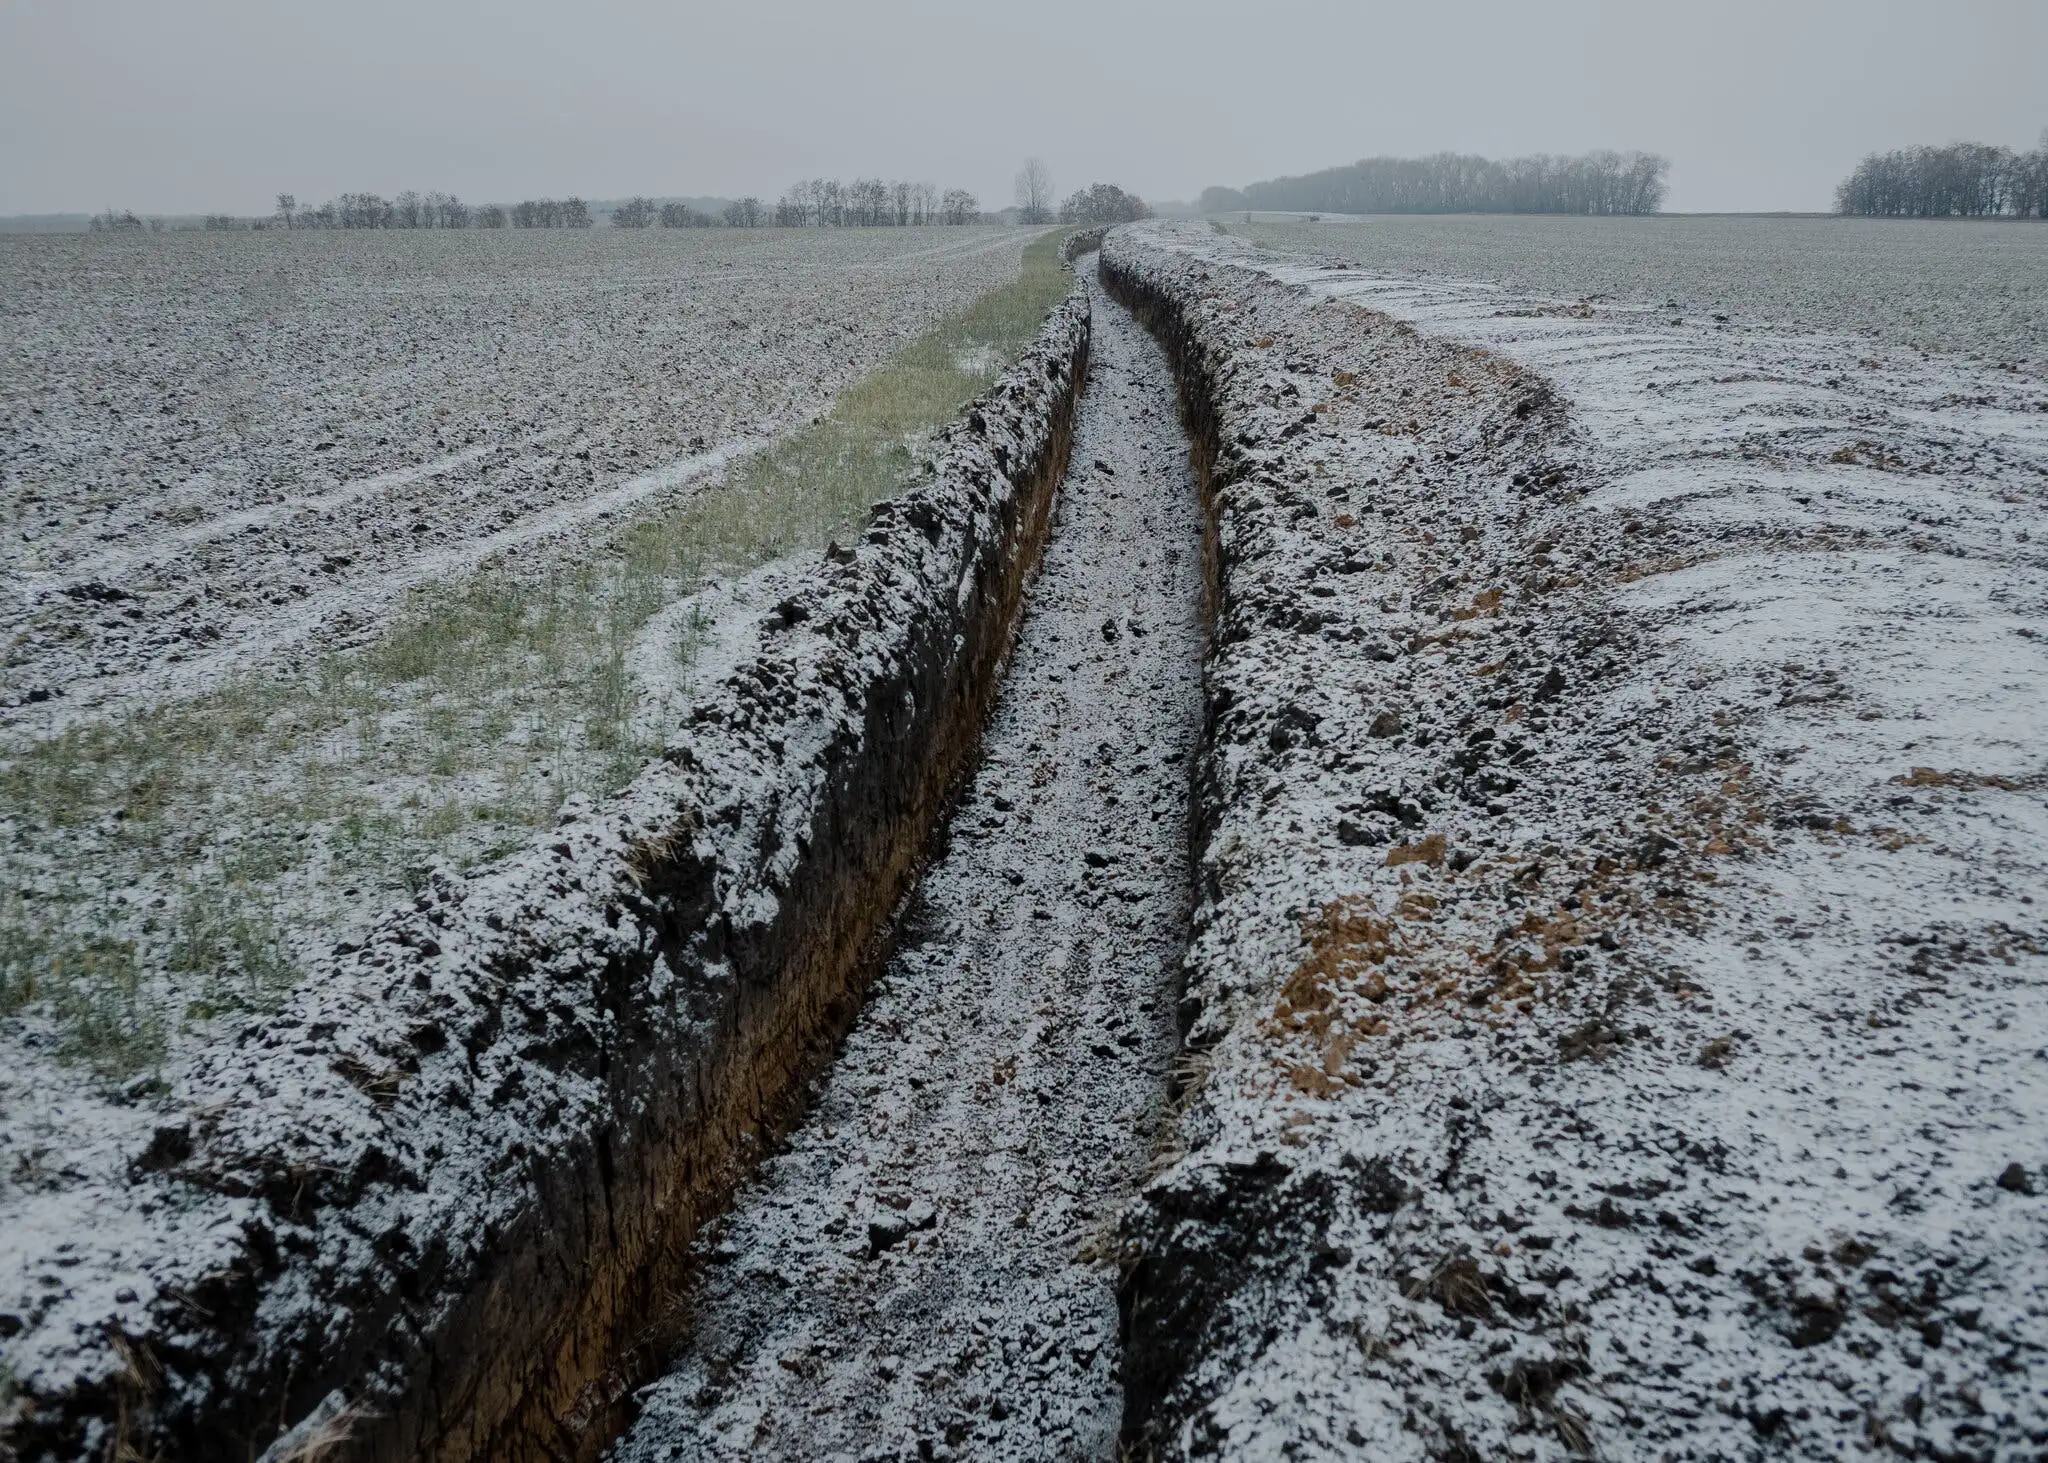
(409, 210)
(642, 213)
(550, 213)
(1962, 180)
(815, 203)
(1592, 183)
(121, 221)
(819, 202)
(869, 203)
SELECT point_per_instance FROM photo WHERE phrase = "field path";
(926, 1269)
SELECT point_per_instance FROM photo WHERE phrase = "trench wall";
(438, 1206)
(1308, 806)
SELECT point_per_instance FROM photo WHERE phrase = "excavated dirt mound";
(1616, 991)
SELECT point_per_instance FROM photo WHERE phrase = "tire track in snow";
(260, 515)
(362, 603)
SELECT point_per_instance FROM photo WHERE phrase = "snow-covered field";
(1621, 966)
(219, 450)
(1967, 287)
(332, 558)
(1615, 998)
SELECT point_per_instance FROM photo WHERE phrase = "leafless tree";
(546, 213)
(2030, 200)
(490, 216)
(287, 208)
(633, 213)
(745, 213)
(220, 223)
(958, 206)
(1034, 193)
(863, 203)
(1964, 179)
(868, 202)
(361, 211)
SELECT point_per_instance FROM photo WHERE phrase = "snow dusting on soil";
(217, 448)
(436, 1198)
(1620, 964)
(1566, 976)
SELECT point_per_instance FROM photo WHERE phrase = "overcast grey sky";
(204, 105)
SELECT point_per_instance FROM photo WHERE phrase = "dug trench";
(437, 1207)
(926, 1266)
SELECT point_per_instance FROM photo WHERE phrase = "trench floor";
(926, 1269)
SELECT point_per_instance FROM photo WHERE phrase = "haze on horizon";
(220, 104)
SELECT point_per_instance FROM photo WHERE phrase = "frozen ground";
(927, 1268)
(1974, 286)
(219, 450)
(1620, 966)
(1615, 991)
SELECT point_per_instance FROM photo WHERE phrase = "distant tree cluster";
(550, 213)
(1593, 183)
(1962, 180)
(409, 210)
(1103, 203)
(870, 203)
(641, 213)
(817, 203)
